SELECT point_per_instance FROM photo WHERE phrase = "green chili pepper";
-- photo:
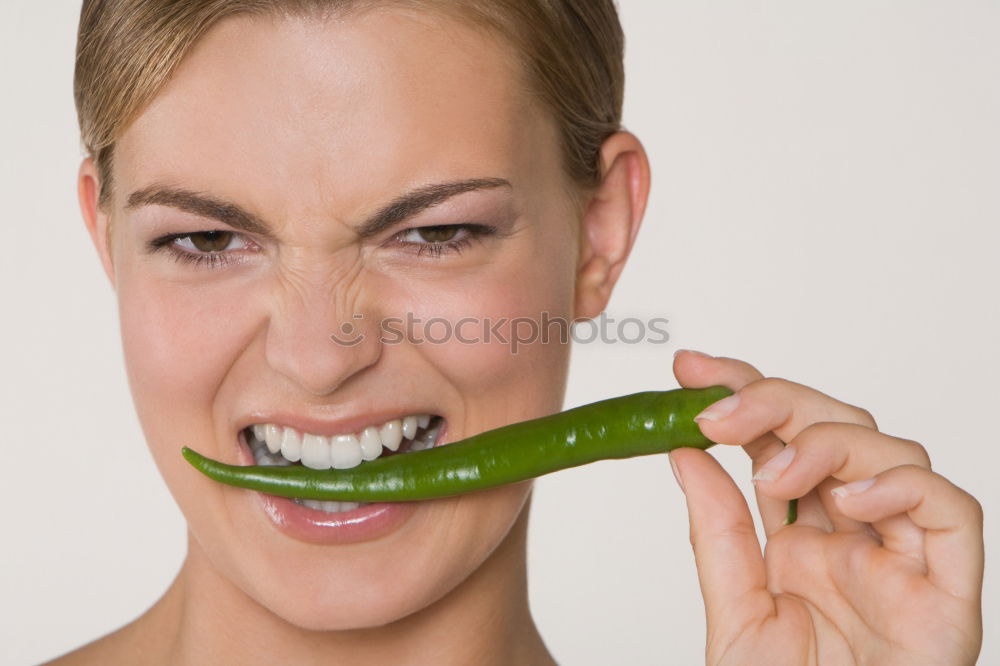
(632, 425)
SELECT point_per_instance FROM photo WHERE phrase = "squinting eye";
(208, 241)
(439, 239)
(438, 234)
(214, 249)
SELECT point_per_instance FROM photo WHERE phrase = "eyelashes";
(438, 240)
(218, 248)
(212, 249)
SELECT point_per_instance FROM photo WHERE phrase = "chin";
(318, 611)
(363, 585)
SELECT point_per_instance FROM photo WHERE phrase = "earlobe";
(96, 219)
(611, 221)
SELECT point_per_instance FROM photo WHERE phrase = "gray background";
(825, 206)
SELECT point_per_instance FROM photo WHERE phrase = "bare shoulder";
(147, 640)
(122, 646)
(103, 650)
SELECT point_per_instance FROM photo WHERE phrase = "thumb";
(726, 550)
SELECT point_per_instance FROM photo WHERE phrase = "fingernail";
(677, 475)
(691, 351)
(773, 468)
(853, 488)
(719, 410)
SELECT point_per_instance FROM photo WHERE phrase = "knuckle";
(863, 416)
(968, 506)
(977, 509)
(908, 470)
(818, 430)
(769, 389)
(776, 384)
(918, 452)
(749, 372)
(736, 532)
(821, 434)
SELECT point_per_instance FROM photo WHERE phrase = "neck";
(204, 618)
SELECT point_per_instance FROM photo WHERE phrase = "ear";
(88, 188)
(611, 221)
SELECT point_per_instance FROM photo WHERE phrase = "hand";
(885, 563)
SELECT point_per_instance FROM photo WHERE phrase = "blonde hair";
(572, 51)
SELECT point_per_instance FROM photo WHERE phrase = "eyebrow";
(397, 210)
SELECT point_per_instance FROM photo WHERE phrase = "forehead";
(336, 110)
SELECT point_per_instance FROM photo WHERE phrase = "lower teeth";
(330, 506)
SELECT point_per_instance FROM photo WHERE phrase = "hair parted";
(572, 52)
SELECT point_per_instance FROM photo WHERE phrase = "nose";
(318, 345)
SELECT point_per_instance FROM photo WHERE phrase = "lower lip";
(366, 523)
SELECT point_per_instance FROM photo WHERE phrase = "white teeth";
(291, 445)
(392, 434)
(258, 432)
(345, 452)
(315, 452)
(271, 460)
(371, 443)
(330, 506)
(409, 427)
(272, 435)
(272, 444)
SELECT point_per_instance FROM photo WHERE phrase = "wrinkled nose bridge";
(317, 337)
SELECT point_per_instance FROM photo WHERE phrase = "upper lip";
(330, 427)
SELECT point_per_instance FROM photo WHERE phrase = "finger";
(726, 550)
(694, 369)
(810, 513)
(697, 370)
(774, 405)
(774, 511)
(797, 405)
(843, 451)
(833, 516)
(952, 521)
(766, 412)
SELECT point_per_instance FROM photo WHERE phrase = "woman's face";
(287, 137)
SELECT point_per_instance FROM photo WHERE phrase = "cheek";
(179, 341)
(497, 324)
(499, 330)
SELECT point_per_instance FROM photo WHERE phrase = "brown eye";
(439, 234)
(439, 239)
(211, 241)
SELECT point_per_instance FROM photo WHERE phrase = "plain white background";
(825, 205)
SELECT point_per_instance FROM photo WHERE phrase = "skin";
(312, 125)
(891, 573)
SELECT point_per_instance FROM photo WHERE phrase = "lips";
(335, 523)
(274, 444)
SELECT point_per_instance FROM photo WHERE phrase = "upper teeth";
(285, 445)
